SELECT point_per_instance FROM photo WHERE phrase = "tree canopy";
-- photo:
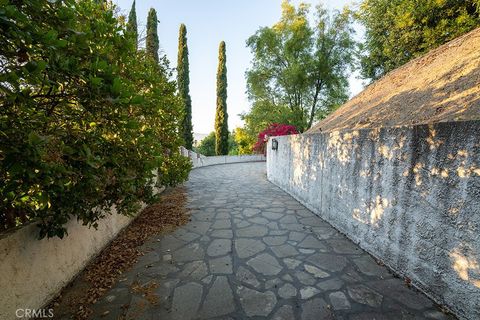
(400, 30)
(299, 70)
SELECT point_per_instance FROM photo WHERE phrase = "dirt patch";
(121, 254)
(441, 86)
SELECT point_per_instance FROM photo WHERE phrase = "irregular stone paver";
(328, 262)
(219, 300)
(287, 291)
(339, 300)
(222, 224)
(219, 247)
(316, 309)
(312, 243)
(364, 295)
(344, 246)
(284, 313)
(227, 234)
(248, 247)
(191, 252)
(246, 277)
(256, 303)
(186, 300)
(296, 236)
(317, 273)
(252, 231)
(285, 250)
(308, 292)
(195, 270)
(368, 266)
(265, 264)
(165, 289)
(275, 240)
(272, 215)
(251, 250)
(273, 283)
(305, 278)
(291, 263)
(221, 265)
(332, 284)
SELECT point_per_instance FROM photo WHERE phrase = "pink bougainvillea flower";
(273, 130)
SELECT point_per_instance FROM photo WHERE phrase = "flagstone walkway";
(251, 251)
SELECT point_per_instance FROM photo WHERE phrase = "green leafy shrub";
(244, 141)
(85, 119)
(207, 145)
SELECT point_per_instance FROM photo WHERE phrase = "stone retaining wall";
(410, 196)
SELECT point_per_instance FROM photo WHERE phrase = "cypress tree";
(221, 116)
(152, 44)
(183, 81)
(132, 23)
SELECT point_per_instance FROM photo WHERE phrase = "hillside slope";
(443, 85)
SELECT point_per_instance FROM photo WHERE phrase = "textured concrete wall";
(199, 160)
(32, 271)
(409, 196)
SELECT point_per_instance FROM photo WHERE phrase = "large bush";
(206, 147)
(243, 141)
(84, 120)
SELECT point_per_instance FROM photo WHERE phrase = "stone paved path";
(251, 251)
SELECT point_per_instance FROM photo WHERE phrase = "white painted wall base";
(199, 160)
(33, 271)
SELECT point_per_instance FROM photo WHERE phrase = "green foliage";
(400, 30)
(132, 23)
(207, 145)
(232, 144)
(244, 141)
(299, 71)
(183, 82)
(221, 116)
(152, 45)
(85, 119)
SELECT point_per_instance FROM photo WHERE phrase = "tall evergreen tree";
(152, 44)
(183, 81)
(221, 116)
(132, 23)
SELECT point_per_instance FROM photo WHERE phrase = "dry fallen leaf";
(122, 253)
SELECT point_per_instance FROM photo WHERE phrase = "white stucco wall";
(199, 160)
(32, 271)
(410, 196)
